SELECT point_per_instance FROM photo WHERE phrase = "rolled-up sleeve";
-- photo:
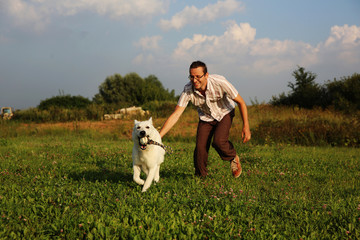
(228, 88)
(184, 99)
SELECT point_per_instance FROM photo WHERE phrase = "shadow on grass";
(174, 174)
(102, 176)
(124, 177)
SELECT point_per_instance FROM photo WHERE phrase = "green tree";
(112, 90)
(155, 91)
(118, 91)
(305, 93)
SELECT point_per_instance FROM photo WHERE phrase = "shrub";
(344, 94)
(67, 101)
(59, 114)
(309, 132)
(160, 108)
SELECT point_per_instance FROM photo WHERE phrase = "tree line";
(116, 92)
(131, 90)
(343, 94)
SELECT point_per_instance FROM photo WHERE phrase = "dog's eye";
(147, 127)
(138, 127)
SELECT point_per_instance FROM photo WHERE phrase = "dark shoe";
(236, 167)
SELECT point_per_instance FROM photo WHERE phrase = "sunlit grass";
(74, 186)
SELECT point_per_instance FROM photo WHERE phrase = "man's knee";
(218, 143)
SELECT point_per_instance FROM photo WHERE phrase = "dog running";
(146, 157)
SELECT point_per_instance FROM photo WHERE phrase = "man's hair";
(197, 64)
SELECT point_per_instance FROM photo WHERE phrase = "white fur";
(147, 160)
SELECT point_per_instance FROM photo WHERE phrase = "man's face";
(198, 78)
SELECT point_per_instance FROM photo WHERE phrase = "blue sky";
(71, 46)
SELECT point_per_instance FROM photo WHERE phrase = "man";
(215, 98)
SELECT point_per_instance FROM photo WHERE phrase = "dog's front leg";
(136, 177)
(149, 179)
(157, 174)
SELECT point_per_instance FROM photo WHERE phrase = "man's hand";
(246, 134)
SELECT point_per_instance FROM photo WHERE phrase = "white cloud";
(113, 8)
(191, 15)
(243, 33)
(235, 37)
(37, 14)
(343, 44)
(245, 59)
(346, 36)
(143, 59)
(149, 43)
(149, 47)
(25, 14)
(238, 48)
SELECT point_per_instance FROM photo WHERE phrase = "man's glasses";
(195, 77)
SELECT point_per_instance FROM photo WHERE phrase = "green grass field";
(78, 186)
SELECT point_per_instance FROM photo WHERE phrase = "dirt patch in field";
(122, 128)
(100, 125)
(119, 127)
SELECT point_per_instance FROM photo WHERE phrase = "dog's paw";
(139, 181)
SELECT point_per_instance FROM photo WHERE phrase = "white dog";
(146, 157)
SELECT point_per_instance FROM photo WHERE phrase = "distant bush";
(160, 108)
(60, 114)
(344, 94)
(64, 101)
(310, 132)
(95, 112)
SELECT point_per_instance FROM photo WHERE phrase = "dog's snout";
(142, 134)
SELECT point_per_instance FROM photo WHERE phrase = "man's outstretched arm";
(170, 122)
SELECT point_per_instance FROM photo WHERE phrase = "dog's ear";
(136, 122)
(150, 120)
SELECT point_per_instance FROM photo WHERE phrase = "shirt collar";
(209, 87)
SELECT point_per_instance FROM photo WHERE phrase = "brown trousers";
(220, 132)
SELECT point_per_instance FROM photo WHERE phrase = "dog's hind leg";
(149, 179)
(136, 177)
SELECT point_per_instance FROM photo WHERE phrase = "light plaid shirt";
(217, 101)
